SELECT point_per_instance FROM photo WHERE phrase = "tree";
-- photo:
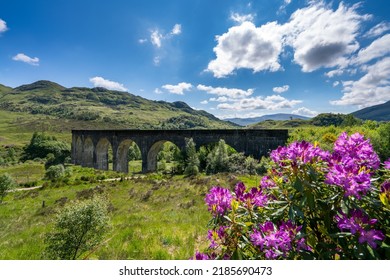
(6, 183)
(79, 228)
(191, 161)
(41, 145)
(218, 159)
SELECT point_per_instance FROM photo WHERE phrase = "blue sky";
(232, 58)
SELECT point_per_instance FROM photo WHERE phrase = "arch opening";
(128, 157)
(163, 156)
(103, 154)
(87, 155)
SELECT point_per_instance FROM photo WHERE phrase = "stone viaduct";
(90, 147)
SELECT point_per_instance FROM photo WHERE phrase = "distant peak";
(42, 84)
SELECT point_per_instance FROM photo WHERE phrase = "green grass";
(152, 216)
(30, 171)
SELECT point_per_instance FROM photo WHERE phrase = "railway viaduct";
(90, 147)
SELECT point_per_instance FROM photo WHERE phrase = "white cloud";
(281, 89)
(155, 38)
(234, 93)
(273, 102)
(142, 41)
(156, 60)
(378, 29)
(303, 111)
(333, 73)
(336, 83)
(204, 102)
(176, 30)
(322, 37)
(371, 89)
(247, 46)
(157, 91)
(241, 18)
(284, 5)
(3, 26)
(101, 82)
(179, 88)
(24, 58)
(378, 48)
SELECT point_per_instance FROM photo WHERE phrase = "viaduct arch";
(90, 147)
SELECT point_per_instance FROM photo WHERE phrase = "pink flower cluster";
(278, 242)
(298, 153)
(351, 165)
(255, 196)
(360, 224)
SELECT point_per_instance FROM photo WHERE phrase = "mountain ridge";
(104, 107)
(275, 117)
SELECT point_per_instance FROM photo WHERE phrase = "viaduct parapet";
(90, 147)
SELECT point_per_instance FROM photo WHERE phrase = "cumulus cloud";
(273, 102)
(26, 59)
(336, 83)
(377, 49)
(233, 93)
(204, 102)
(322, 37)
(101, 82)
(176, 30)
(247, 46)
(236, 17)
(3, 26)
(378, 29)
(281, 89)
(303, 111)
(371, 89)
(179, 88)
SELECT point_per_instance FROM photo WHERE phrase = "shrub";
(6, 184)
(312, 204)
(55, 172)
(78, 228)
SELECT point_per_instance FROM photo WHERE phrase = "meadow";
(151, 216)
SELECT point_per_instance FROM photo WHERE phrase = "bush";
(55, 172)
(6, 184)
(79, 228)
(312, 204)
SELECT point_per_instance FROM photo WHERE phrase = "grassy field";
(152, 216)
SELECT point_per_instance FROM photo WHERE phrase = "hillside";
(379, 112)
(80, 107)
(273, 117)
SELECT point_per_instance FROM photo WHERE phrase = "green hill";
(80, 107)
(379, 112)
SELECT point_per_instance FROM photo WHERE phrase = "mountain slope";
(274, 117)
(379, 112)
(102, 108)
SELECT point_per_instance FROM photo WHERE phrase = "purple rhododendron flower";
(359, 224)
(370, 236)
(218, 200)
(255, 196)
(387, 164)
(298, 153)
(216, 235)
(266, 182)
(385, 187)
(351, 164)
(276, 242)
(200, 256)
